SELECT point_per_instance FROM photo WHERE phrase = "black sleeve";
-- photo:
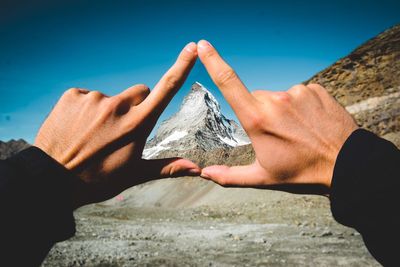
(365, 193)
(35, 205)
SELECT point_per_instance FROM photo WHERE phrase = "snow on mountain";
(153, 151)
(199, 124)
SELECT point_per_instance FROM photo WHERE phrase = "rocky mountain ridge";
(198, 125)
(10, 148)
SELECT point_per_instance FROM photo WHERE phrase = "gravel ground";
(250, 235)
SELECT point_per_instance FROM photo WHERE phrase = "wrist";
(331, 161)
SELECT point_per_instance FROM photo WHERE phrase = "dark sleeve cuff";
(365, 179)
(44, 195)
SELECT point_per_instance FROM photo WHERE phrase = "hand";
(101, 138)
(296, 135)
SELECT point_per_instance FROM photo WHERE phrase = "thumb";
(169, 167)
(242, 176)
(135, 95)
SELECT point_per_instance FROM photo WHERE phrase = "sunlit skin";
(101, 138)
(296, 135)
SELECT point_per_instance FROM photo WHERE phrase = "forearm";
(364, 191)
(35, 200)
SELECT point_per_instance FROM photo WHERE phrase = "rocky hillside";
(10, 148)
(367, 82)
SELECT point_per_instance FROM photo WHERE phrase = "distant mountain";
(12, 147)
(198, 125)
(367, 83)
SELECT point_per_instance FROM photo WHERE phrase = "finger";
(135, 95)
(243, 176)
(169, 167)
(234, 91)
(83, 90)
(251, 176)
(169, 84)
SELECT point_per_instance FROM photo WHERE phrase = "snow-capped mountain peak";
(199, 124)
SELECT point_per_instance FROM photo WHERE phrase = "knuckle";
(72, 91)
(171, 81)
(281, 97)
(317, 88)
(298, 87)
(225, 77)
(209, 53)
(96, 95)
(298, 90)
(186, 57)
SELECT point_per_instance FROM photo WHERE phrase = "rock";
(326, 233)
(367, 83)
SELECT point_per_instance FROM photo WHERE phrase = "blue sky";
(48, 46)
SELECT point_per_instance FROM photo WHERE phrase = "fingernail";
(190, 47)
(203, 44)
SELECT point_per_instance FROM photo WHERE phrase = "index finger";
(171, 81)
(234, 91)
